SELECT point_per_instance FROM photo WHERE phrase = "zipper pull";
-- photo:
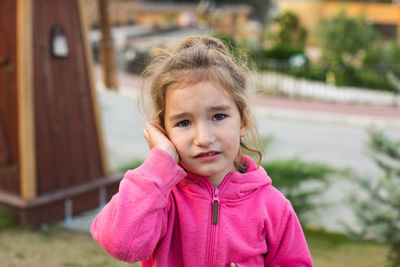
(215, 206)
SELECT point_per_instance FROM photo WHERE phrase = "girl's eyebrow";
(182, 115)
(220, 108)
(178, 116)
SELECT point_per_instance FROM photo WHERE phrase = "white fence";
(280, 84)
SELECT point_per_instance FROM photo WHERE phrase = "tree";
(286, 38)
(301, 182)
(379, 210)
(346, 40)
(287, 30)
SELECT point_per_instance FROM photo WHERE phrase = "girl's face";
(204, 124)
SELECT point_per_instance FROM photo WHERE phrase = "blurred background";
(323, 84)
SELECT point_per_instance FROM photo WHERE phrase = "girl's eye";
(218, 117)
(183, 123)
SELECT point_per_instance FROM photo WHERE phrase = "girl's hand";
(234, 265)
(156, 138)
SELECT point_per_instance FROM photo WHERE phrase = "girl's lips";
(208, 156)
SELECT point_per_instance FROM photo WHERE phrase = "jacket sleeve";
(290, 246)
(131, 224)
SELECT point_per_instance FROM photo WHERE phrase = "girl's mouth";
(207, 154)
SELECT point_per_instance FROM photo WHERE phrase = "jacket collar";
(235, 185)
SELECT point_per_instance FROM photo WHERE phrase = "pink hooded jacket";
(164, 216)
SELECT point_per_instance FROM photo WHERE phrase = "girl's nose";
(203, 135)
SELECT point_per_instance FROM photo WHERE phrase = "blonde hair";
(196, 59)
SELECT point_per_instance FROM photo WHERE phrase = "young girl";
(196, 201)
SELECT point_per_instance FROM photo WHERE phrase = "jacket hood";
(235, 185)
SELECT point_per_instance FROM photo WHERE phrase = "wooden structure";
(106, 48)
(52, 158)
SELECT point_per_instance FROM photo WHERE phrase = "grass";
(61, 247)
(337, 250)
(56, 247)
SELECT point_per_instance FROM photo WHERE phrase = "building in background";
(383, 15)
(138, 26)
(229, 19)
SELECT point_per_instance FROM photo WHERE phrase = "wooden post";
(106, 47)
(25, 99)
(89, 60)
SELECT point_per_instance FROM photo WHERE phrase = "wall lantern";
(58, 42)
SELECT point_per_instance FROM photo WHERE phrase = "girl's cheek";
(178, 140)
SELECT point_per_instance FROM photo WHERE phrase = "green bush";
(131, 166)
(292, 176)
(287, 30)
(7, 218)
(282, 52)
(377, 203)
(344, 75)
(365, 78)
(234, 48)
(309, 72)
(228, 40)
(370, 79)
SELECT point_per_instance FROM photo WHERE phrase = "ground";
(55, 247)
(60, 247)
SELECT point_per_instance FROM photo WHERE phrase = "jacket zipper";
(214, 221)
(215, 206)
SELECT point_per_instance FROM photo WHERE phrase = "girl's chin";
(215, 168)
(210, 174)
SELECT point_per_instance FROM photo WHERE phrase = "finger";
(151, 127)
(146, 133)
(152, 131)
(155, 137)
(157, 124)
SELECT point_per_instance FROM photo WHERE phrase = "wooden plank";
(5, 63)
(51, 207)
(58, 103)
(4, 153)
(90, 136)
(14, 200)
(46, 167)
(89, 67)
(8, 96)
(79, 152)
(25, 100)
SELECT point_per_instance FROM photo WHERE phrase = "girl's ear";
(243, 131)
(244, 123)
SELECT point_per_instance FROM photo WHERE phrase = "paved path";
(331, 133)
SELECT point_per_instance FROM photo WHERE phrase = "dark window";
(387, 31)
